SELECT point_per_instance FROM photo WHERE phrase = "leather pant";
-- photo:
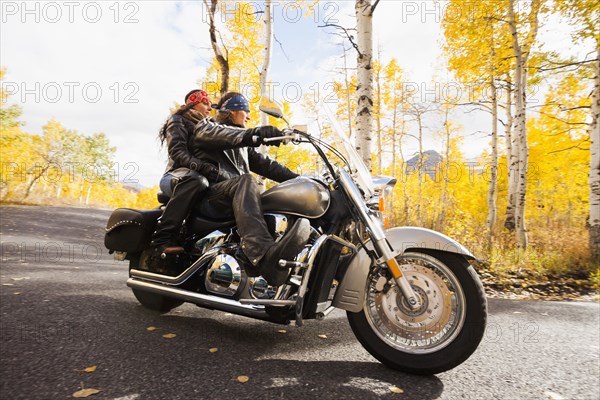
(186, 193)
(240, 196)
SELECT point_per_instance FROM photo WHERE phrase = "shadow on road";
(112, 333)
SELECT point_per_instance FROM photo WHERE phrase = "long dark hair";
(224, 116)
(162, 134)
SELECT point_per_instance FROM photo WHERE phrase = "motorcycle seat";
(201, 225)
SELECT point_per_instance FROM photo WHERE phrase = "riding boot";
(285, 249)
(185, 195)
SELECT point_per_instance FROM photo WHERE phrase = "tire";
(156, 302)
(438, 336)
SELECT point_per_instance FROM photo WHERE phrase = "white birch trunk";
(394, 118)
(512, 158)
(491, 199)
(364, 90)
(521, 53)
(264, 72)
(221, 56)
(87, 196)
(594, 177)
(446, 165)
(81, 189)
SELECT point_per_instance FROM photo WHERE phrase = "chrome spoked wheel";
(439, 335)
(430, 327)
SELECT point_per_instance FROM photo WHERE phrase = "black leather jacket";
(180, 140)
(226, 148)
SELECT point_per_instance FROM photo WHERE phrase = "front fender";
(350, 294)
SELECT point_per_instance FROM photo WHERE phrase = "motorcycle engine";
(226, 277)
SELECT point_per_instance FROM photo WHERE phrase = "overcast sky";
(117, 67)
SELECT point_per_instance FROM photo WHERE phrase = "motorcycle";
(411, 297)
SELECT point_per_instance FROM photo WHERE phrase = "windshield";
(359, 171)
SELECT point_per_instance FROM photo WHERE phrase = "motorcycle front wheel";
(439, 335)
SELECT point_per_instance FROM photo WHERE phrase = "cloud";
(117, 67)
(110, 67)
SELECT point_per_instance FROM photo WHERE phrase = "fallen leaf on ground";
(323, 336)
(243, 379)
(169, 336)
(396, 389)
(151, 328)
(85, 393)
(282, 331)
(90, 369)
(213, 350)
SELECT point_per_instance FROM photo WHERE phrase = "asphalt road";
(65, 307)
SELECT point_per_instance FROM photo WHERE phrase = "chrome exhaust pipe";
(181, 278)
(205, 301)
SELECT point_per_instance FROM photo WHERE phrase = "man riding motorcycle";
(231, 148)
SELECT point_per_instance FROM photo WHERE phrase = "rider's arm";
(213, 136)
(269, 168)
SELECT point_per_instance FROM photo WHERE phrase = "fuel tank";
(301, 196)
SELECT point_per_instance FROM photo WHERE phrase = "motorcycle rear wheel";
(440, 334)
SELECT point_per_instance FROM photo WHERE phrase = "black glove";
(214, 174)
(267, 132)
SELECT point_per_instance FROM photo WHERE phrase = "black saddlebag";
(130, 230)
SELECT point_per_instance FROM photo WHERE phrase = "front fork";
(388, 258)
(385, 252)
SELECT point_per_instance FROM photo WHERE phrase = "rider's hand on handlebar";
(268, 132)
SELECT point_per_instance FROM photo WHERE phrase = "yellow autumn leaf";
(213, 350)
(395, 389)
(90, 369)
(323, 336)
(243, 379)
(151, 328)
(169, 335)
(85, 393)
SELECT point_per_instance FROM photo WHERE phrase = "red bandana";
(198, 97)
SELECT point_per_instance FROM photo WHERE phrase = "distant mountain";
(431, 160)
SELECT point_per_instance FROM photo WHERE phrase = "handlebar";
(289, 135)
(282, 138)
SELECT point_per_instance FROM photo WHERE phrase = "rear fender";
(350, 294)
